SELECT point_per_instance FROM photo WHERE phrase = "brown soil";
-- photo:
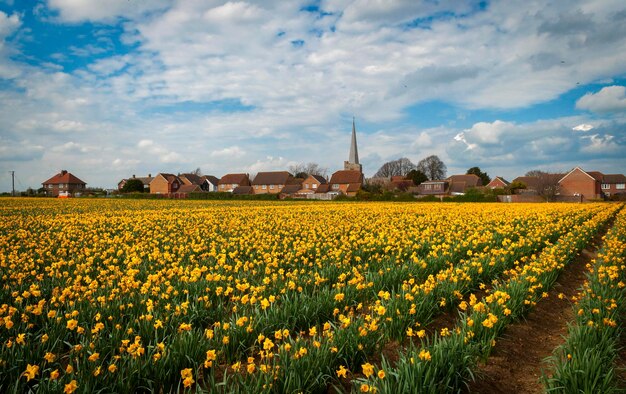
(515, 364)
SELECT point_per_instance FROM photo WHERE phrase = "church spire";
(354, 153)
(353, 160)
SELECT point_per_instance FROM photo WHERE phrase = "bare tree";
(432, 167)
(547, 183)
(308, 169)
(197, 172)
(400, 167)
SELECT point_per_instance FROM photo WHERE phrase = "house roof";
(346, 176)
(192, 179)
(531, 182)
(188, 189)
(323, 188)
(614, 178)
(63, 177)
(212, 179)
(470, 180)
(233, 179)
(318, 178)
(498, 178)
(239, 190)
(597, 175)
(272, 178)
(168, 177)
(353, 187)
(291, 189)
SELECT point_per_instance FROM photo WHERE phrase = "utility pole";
(12, 183)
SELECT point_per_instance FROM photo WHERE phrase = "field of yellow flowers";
(133, 295)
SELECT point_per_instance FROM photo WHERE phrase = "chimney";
(149, 175)
(133, 176)
(63, 172)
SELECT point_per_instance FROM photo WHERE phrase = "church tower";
(353, 159)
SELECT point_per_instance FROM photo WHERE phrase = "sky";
(108, 89)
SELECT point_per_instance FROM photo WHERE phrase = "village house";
(63, 184)
(591, 185)
(209, 183)
(454, 185)
(498, 183)
(229, 182)
(531, 184)
(311, 184)
(144, 180)
(164, 183)
(271, 182)
(437, 188)
(346, 182)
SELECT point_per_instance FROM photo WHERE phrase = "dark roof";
(347, 176)
(614, 178)
(192, 178)
(63, 177)
(169, 177)
(243, 190)
(319, 178)
(597, 175)
(212, 179)
(272, 178)
(233, 179)
(290, 189)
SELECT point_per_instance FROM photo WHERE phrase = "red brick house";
(271, 182)
(460, 184)
(164, 183)
(498, 183)
(613, 184)
(346, 182)
(311, 184)
(63, 184)
(578, 182)
(229, 182)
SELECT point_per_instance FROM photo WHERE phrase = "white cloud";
(270, 164)
(95, 10)
(601, 144)
(608, 99)
(582, 127)
(230, 152)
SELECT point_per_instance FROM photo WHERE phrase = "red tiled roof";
(597, 175)
(190, 179)
(290, 189)
(213, 180)
(531, 182)
(354, 187)
(323, 188)
(614, 178)
(347, 176)
(188, 189)
(499, 178)
(272, 178)
(63, 177)
(243, 190)
(230, 179)
(470, 180)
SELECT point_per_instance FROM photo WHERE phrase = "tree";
(399, 167)
(548, 184)
(197, 172)
(432, 167)
(304, 170)
(482, 175)
(132, 185)
(417, 176)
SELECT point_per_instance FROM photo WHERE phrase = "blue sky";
(107, 89)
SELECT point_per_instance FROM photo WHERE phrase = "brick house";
(578, 182)
(229, 182)
(271, 182)
(613, 184)
(311, 184)
(347, 182)
(437, 188)
(498, 183)
(145, 180)
(164, 183)
(531, 183)
(209, 183)
(63, 184)
(460, 184)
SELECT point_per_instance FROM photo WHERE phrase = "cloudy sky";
(107, 89)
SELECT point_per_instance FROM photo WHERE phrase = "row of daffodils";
(121, 296)
(585, 363)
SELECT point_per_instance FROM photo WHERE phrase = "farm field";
(166, 296)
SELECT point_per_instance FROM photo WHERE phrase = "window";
(620, 186)
(235, 185)
(256, 187)
(428, 187)
(314, 185)
(306, 185)
(272, 187)
(335, 186)
(606, 186)
(264, 187)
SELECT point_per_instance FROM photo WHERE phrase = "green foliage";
(485, 179)
(133, 185)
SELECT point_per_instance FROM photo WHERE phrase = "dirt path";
(516, 361)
